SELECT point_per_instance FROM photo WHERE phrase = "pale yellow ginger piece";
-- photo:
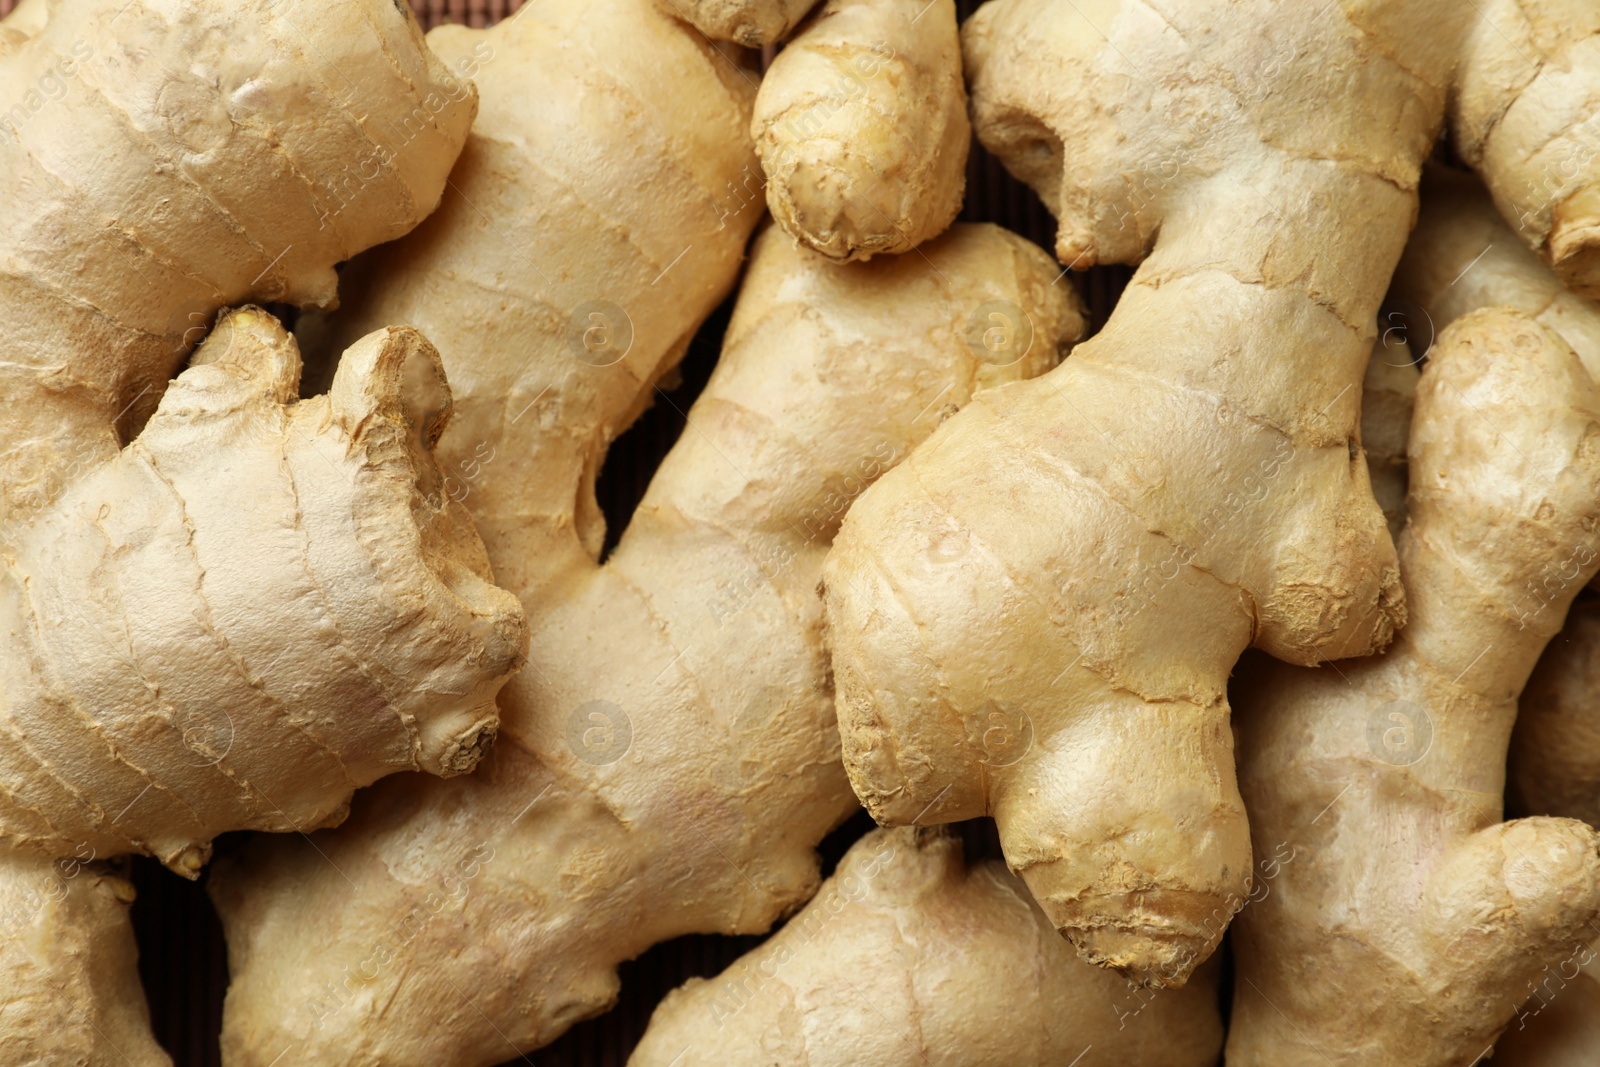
(72, 993)
(752, 23)
(908, 956)
(1411, 921)
(143, 195)
(861, 125)
(1526, 114)
(249, 612)
(239, 615)
(594, 222)
(1463, 256)
(669, 759)
(1082, 559)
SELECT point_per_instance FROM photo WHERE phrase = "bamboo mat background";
(183, 960)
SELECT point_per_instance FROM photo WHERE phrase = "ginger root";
(668, 761)
(752, 23)
(1416, 945)
(1199, 459)
(906, 955)
(227, 608)
(1462, 256)
(1024, 574)
(1526, 116)
(861, 125)
(239, 174)
(572, 126)
(72, 991)
(168, 686)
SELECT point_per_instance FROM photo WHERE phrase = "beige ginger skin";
(1198, 460)
(1267, 181)
(909, 956)
(752, 23)
(1463, 256)
(226, 608)
(1415, 942)
(72, 984)
(668, 760)
(1526, 115)
(861, 125)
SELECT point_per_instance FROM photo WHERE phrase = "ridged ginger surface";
(1412, 921)
(1526, 115)
(1463, 256)
(861, 125)
(1078, 562)
(752, 23)
(226, 608)
(909, 956)
(668, 761)
(1085, 558)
